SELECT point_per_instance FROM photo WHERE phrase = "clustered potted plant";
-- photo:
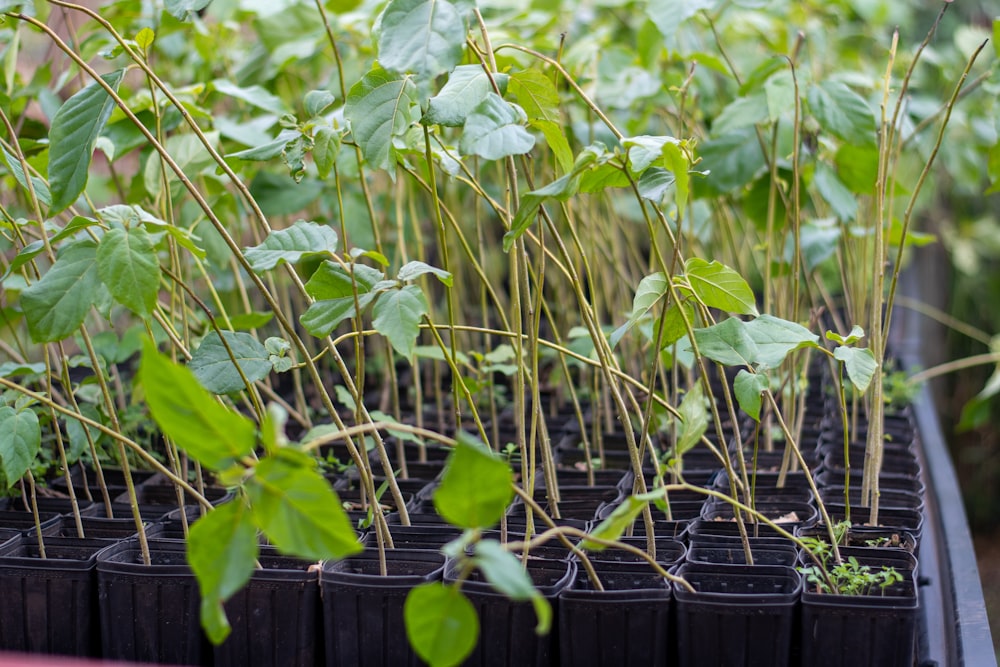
(317, 346)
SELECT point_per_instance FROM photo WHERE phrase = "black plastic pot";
(98, 528)
(859, 631)
(906, 520)
(276, 619)
(363, 610)
(25, 521)
(733, 554)
(669, 552)
(864, 536)
(873, 630)
(888, 498)
(150, 613)
(420, 536)
(507, 628)
(740, 615)
(54, 505)
(628, 623)
(49, 605)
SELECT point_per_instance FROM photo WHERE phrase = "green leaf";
(20, 442)
(507, 575)
(644, 151)
(476, 487)
(322, 317)
(842, 112)
(466, 88)
(145, 37)
(254, 95)
(860, 365)
(299, 511)
(495, 129)
(857, 168)
(425, 37)
(776, 337)
(732, 160)
(679, 164)
(727, 343)
(536, 94)
(380, 107)
(72, 137)
(326, 149)
(214, 368)
(317, 101)
(267, 151)
(614, 526)
(40, 186)
(555, 137)
(11, 369)
(290, 245)
(818, 242)
(718, 286)
(539, 98)
(673, 327)
(650, 290)
(251, 320)
(221, 550)
(654, 183)
(748, 387)
(668, 15)
(397, 315)
(743, 112)
(441, 624)
(128, 266)
(188, 414)
(779, 90)
(694, 420)
(182, 9)
(189, 154)
(413, 270)
(562, 188)
(333, 281)
(56, 305)
(835, 193)
(856, 334)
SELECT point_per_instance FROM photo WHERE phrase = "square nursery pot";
(877, 630)
(150, 613)
(49, 605)
(739, 616)
(627, 623)
(277, 618)
(363, 609)
(507, 635)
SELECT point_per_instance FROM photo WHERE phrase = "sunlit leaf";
(72, 138)
(187, 413)
(441, 624)
(476, 487)
(495, 129)
(20, 442)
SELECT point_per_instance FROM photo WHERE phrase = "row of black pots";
(121, 631)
